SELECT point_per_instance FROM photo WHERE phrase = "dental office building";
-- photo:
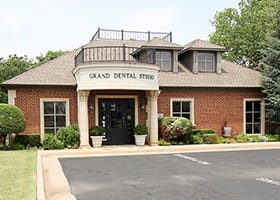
(124, 78)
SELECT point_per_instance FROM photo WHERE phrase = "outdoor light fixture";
(142, 107)
(91, 106)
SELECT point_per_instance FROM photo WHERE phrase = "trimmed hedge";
(203, 131)
(28, 140)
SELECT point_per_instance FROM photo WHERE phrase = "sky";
(32, 27)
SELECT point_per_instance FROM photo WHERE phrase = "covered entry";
(117, 117)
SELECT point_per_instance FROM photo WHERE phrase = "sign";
(125, 77)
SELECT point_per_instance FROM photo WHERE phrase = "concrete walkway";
(51, 181)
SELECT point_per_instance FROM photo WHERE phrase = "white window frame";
(161, 60)
(262, 114)
(67, 112)
(191, 100)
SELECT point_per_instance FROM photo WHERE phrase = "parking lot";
(213, 175)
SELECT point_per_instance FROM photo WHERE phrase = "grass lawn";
(18, 175)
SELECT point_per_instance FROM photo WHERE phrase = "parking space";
(217, 175)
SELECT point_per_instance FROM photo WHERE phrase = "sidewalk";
(52, 184)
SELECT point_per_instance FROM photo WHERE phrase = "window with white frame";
(206, 62)
(181, 108)
(164, 60)
(253, 116)
(54, 115)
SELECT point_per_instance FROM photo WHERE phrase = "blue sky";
(32, 27)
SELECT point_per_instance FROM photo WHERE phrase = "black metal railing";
(130, 35)
(112, 54)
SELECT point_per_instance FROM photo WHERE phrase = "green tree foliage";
(16, 65)
(11, 121)
(271, 72)
(243, 31)
(50, 55)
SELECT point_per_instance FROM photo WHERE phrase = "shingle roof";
(233, 75)
(202, 45)
(59, 72)
(54, 72)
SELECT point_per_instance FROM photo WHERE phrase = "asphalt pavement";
(230, 175)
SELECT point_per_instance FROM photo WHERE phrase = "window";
(182, 108)
(163, 59)
(253, 116)
(54, 115)
(206, 62)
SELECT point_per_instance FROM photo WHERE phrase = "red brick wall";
(28, 100)
(212, 106)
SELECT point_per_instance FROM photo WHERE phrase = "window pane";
(257, 106)
(249, 106)
(60, 121)
(49, 121)
(48, 108)
(186, 116)
(209, 57)
(248, 128)
(257, 128)
(49, 130)
(249, 118)
(176, 115)
(257, 117)
(166, 55)
(176, 106)
(185, 106)
(60, 108)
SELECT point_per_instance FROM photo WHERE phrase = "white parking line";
(269, 181)
(193, 159)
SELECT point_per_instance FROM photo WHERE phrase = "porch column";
(83, 117)
(153, 116)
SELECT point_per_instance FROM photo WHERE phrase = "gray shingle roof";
(233, 75)
(59, 72)
(54, 72)
(202, 45)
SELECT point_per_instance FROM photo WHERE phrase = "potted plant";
(226, 129)
(96, 135)
(140, 133)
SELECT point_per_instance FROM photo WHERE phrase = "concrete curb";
(52, 183)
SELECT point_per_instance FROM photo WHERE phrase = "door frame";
(135, 97)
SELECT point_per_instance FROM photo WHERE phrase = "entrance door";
(116, 116)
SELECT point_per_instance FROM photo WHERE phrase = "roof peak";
(199, 44)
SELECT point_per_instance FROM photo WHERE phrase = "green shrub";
(272, 137)
(140, 129)
(11, 121)
(51, 142)
(203, 131)
(96, 131)
(19, 146)
(28, 140)
(196, 139)
(210, 138)
(162, 142)
(254, 138)
(223, 140)
(70, 136)
(177, 126)
(242, 138)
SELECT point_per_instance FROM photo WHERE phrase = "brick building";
(123, 78)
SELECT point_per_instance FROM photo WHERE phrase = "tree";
(271, 72)
(11, 121)
(243, 31)
(50, 55)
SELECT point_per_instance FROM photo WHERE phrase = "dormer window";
(206, 62)
(163, 59)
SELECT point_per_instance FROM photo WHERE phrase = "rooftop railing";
(130, 35)
(111, 54)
